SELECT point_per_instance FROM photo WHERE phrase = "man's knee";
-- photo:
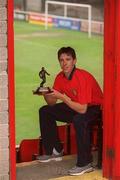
(43, 109)
(79, 120)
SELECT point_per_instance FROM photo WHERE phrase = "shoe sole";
(84, 171)
(51, 159)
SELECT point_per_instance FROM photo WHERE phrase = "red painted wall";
(111, 117)
(11, 93)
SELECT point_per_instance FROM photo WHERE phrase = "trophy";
(41, 89)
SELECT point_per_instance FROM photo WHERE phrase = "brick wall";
(4, 128)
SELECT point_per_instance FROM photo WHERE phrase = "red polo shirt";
(81, 88)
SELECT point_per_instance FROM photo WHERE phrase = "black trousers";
(48, 115)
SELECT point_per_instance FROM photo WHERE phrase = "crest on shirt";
(74, 92)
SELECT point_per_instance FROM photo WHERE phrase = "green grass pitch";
(34, 48)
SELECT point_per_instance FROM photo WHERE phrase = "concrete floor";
(53, 170)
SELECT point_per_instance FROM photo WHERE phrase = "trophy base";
(41, 90)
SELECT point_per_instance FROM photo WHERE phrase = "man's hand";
(55, 94)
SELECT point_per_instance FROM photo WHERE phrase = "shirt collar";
(71, 74)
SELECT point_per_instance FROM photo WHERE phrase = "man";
(81, 99)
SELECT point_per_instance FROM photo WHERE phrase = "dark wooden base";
(41, 90)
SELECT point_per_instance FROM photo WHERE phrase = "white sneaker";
(48, 158)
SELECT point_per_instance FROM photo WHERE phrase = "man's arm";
(80, 108)
(72, 104)
(47, 73)
(50, 100)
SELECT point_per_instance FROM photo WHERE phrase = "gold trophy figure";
(41, 89)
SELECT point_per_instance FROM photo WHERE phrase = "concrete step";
(53, 170)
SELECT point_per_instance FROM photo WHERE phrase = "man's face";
(67, 63)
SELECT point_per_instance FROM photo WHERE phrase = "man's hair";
(67, 50)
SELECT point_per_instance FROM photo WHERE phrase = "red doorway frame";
(11, 89)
